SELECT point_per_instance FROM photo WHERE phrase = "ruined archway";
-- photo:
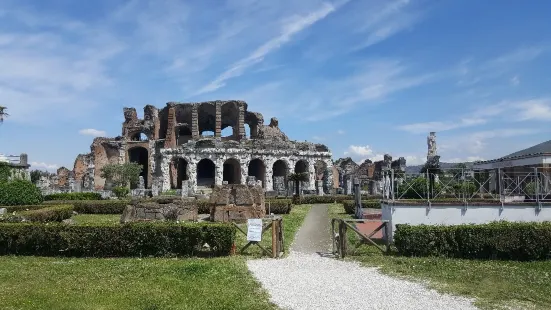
(230, 118)
(206, 113)
(258, 170)
(206, 171)
(320, 168)
(301, 166)
(279, 175)
(232, 171)
(140, 155)
(182, 172)
(184, 134)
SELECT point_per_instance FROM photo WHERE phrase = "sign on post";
(254, 230)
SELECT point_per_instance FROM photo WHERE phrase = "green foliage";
(170, 192)
(122, 175)
(44, 215)
(350, 205)
(19, 192)
(135, 239)
(73, 196)
(35, 176)
(94, 206)
(278, 206)
(5, 171)
(121, 192)
(26, 207)
(498, 240)
(465, 188)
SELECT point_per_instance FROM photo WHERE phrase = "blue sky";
(364, 77)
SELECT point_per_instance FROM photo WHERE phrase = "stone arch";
(140, 155)
(320, 168)
(232, 171)
(280, 170)
(183, 134)
(257, 168)
(206, 113)
(206, 172)
(183, 171)
(230, 118)
(301, 166)
(138, 136)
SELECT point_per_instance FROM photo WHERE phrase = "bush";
(11, 209)
(73, 196)
(19, 192)
(307, 200)
(134, 239)
(48, 214)
(350, 205)
(278, 206)
(121, 191)
(498, 240)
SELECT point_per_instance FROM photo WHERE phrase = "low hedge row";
(44, 215)
(73, 196)
(350, 205)
(498, 240)
(278, 206)
(308, 200)
(19, 192)
(128, 240)
(25, 207)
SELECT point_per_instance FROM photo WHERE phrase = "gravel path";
(306, 279)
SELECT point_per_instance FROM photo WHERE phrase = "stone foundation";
(161, 210)
(237, 203)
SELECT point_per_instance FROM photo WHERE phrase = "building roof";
(542, 148)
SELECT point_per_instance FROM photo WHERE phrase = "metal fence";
(467, 185)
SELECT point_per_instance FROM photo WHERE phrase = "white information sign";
(254, 230)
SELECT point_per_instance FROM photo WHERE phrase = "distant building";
(19, 165)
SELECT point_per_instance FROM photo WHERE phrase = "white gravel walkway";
(306, 280)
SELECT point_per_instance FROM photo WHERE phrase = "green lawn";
(97, 218)
(494, 284)
(127, 283)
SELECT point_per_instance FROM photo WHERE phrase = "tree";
(3, 113)
(35, 176)
(122, 175)
(297, 178)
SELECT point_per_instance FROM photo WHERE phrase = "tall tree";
(3, 113)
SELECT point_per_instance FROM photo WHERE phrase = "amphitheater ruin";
(176, 151)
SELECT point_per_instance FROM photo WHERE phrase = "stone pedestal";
(236, 203)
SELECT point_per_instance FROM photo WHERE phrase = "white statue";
(431, 143)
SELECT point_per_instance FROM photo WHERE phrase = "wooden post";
(274, 238)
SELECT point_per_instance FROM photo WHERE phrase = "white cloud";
(413, 160)
(462, 160)
(476, 143)
(441, 126)
(360, 153)
(44, 166)
(92, 132)
(340, 132)
(298, 24)
(515, 80)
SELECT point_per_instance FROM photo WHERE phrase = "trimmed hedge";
(497, 240)
(44, 215)
(128, 240)
(308, 200)
(11, 209)
(350, 205)
(278, 206)
(95, 206)
(73, 196)
(19, 192)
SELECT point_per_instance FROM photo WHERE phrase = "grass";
(54, 283)
(291, 224)
(107, 219)
(494, 284)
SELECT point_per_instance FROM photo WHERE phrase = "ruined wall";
(63, 177)
(105, 151)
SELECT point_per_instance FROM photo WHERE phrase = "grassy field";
(106, 219)
(494, 284)
(54, 283)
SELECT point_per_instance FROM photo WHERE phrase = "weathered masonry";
(182, 145)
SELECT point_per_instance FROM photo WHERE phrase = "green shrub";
(350, 205)
(121, 191)
(278, 206)
(498, 240)
(27, 207)
(134, 240)
(48, 214)
(308, 200)
(73, 196)
(19, 192)
(203, 207)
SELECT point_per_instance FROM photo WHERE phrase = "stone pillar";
(269, 182)
(244, 171)
(23, 159)
(311, 186)
(165, 174)
(173, 173)
(218, 123)
(170, 140)
(347, 185)
(241, 122)
(219, 171)
(320, 187)
(185, 188)
(192, 177)
(195, 121)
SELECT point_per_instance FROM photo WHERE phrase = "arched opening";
(140, 155)
(207, 119)
(227, 132)
(139, 136)
(184, 134)
(182, 172)
(301, 166)
(279, 174)
(232, 171)
(258, 170)
(206, 171)
(321, 169)
(247, 131)
(230, 117)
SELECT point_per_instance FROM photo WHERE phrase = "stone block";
(239, 214)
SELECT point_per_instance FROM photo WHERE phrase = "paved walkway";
(307, 279)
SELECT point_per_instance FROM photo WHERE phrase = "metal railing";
(465, 185)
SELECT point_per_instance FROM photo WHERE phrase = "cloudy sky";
(364, 77)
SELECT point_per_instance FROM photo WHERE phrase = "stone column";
(218, 124)
(244, 171)
(219, 173)
(195, 121)
(269, 182)
(165, 174)
(241, 122)
(192, 176)
(185, 188)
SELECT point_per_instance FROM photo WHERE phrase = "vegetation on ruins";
(121, 191)
(73, 196)
(19, 192)
(3, 113)
(37, 174)
(122, 175)
(5, 171)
